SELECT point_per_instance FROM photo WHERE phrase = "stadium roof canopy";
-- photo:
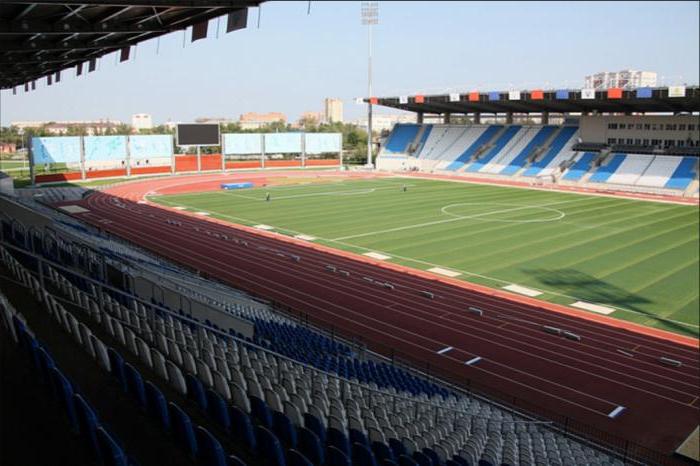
(681, 99)
(42, 38)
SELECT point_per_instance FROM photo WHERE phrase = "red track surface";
(583, 381)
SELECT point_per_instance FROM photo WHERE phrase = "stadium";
(510, 279)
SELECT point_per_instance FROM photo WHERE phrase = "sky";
(294, 60)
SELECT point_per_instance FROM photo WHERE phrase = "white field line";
(454, 219)
(430, 264)
(323, 193)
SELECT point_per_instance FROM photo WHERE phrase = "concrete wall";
(145, 289)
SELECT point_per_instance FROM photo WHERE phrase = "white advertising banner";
(676, 91)
(514, 95)
(588, 94)
(403, 99)
(454, 97)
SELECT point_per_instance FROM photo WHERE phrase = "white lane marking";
(473, 361)
(263, 227)
(376, 255)
(305, 237)
(445, 350)
(616, 412)
(447, 273)
(522, 290)
(593, 307)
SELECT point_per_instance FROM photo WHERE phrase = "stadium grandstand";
(513, 283)
(642, 140)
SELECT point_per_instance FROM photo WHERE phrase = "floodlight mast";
(370, 16)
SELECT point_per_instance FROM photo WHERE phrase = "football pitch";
(634, 260)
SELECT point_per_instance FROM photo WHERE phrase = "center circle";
(539, 213)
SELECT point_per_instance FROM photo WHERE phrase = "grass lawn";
(640, 259)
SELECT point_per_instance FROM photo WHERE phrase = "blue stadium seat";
(430, 453)
(157, 405)
(87, 422)
(260, 412)
(134, 384)
(195, 391)
(312, 423)
(362, 456)
(45, 365)
(422, 459)
(454, 463)
(405, 460)
(211, 453)
(182, 429)
(460, 461)
(337, 439)
(110, 451)
(217, 409)
(269, 447)
(284, 430)
(241, 427)
(295, 458)
(117, 363)
(336, 457)
(382, 452)
(64, 392)
(358, 437)
(236, 461)
(310, 445)
(397, 447)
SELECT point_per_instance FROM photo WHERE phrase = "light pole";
(370, 16)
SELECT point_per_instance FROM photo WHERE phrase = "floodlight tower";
(370, 16)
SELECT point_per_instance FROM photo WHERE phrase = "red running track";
(583, 381)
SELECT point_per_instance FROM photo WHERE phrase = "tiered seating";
(502, 141)
(604, 172)
(659, 171)
(511, 150)
(558, 151)
(684, 174)
(466, 156)
(401, 136)
(302, 413)
(630, 169)
(466, 139)
(581, 167)
(450, 138)
(82, 419)
(519, 161)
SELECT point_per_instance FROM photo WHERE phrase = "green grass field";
(639, 258)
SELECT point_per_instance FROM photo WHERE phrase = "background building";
(252, 120)
(220, 120)
(62, 127)
(141, 121)
(333, 110)
(385, 122)
(625, 79)
(310, 118)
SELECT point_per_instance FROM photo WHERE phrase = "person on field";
(267, 197)
(403, 188)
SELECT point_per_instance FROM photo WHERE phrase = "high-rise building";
(333, 110)
(625, 79)
(141, 121)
